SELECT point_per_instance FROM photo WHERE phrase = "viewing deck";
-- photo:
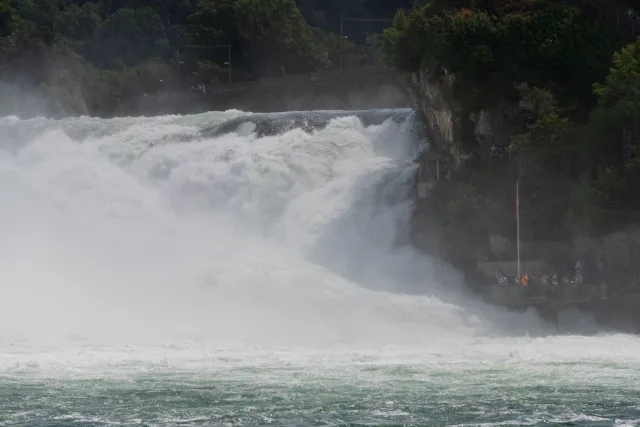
(519, 297)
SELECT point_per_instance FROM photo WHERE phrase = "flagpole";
(518, 223)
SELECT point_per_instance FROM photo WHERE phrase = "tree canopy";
(577, 151)
(96, 52)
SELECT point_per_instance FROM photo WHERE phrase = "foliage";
(327, 13)
(403, 43)
(547, 144)
(578, 168)
(273, 35)
(555, 47)
(105, 51)
(128, 36)
(8, 18)
(570, 157)
(79, 22)
(207, 72)
(621, 91)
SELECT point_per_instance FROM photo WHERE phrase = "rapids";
(147, 226)
(201, 255)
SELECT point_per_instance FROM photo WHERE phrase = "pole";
(518, 223)
(178, 60)
(341, 46)
(229, 58)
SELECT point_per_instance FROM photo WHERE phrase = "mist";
(125, 233)
(201, 233)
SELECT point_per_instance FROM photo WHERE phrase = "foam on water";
(144, 229)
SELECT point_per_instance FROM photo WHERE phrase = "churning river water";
(154, 272)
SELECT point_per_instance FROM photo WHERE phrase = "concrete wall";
(620, 250)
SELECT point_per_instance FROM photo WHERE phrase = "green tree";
(555, 47)
(128, 36)
(269, 38)
(8, 18)
(621, 91)
(79, 22)
(207, 72)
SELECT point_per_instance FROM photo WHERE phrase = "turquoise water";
(485, 382)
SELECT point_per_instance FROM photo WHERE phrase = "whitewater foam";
(150, 273)
(144, 228)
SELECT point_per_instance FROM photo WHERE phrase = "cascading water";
(253, 262)
(267, 236)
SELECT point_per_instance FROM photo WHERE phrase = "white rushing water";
(142, 229)
(139, 246)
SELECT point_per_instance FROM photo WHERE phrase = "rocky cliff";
(463, 133)
(458, 134)
(459, 129)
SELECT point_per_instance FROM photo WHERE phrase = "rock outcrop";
(458, 129)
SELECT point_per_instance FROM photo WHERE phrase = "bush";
(556, 47)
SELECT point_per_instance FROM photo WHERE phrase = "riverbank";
(359, 88)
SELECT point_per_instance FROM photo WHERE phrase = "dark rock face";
(453, 127)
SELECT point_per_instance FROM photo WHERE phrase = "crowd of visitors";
(200, 89)
(552, 284)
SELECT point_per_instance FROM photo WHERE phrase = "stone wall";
(620, 250)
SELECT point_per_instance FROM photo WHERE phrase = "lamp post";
(342, 37)
(228, 63)
(179, 61)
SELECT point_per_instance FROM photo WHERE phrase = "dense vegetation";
(87, 56)
(577, 175)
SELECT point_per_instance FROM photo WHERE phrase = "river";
(155, 271)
